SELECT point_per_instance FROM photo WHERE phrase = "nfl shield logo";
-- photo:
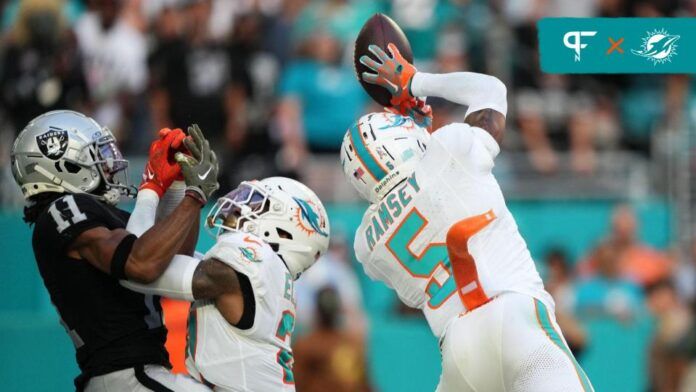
(53, 143)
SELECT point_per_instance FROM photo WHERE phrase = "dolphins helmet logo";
(397, 120)
(658, 46)
(249, 253)
(308, 219)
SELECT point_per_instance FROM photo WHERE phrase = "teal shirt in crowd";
(331, 100)
(600, 297)
(619, 332)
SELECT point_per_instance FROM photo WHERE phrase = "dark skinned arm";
(189, 245)
(151, 252)
(216, 280)
(489, 120)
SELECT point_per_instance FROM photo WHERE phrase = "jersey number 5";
(432, 263)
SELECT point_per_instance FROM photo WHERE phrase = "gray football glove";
(200, 169)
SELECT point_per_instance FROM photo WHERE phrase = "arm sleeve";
(475, 90)
(171, 199)
(143, 216)
(176, 282)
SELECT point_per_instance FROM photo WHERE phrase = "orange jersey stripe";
(469, 287)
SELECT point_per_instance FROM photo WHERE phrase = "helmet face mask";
(112, 166)
(244, 204)
(283, 212)
(65, 151)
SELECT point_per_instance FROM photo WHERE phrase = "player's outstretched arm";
(189, 278)
(186, 278)
(485, 95)
(144, 259)
(214, 278)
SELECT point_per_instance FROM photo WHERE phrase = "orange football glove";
(161, 169)
(393, 73)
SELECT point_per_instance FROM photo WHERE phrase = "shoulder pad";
(245, 253)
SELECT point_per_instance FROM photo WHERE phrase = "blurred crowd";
(272, 80)
(272, 83)
(584, 114)
(624, 285)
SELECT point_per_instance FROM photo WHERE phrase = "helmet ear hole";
(283, 234)
(72, 168)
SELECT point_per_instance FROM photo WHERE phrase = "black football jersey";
(111, 327)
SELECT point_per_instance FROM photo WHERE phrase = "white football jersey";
(401, 240)
(257, 359)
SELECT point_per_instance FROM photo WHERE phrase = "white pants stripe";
(502, 346)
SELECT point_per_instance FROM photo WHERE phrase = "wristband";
(118, 260)
(196, 194)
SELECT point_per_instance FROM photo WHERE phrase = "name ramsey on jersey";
(388, 210)
(401, 240)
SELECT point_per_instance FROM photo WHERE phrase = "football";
(379, 30)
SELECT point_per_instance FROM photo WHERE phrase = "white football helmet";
(283, 212)
(380, 151)
(66, 151)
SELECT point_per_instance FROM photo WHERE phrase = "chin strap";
(111, 196)
(57, 181)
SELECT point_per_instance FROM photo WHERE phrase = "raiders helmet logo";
(53, 143)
